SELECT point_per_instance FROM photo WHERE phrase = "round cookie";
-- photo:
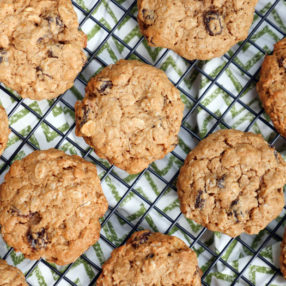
(10, 275)
(131, 115)
(232, 182)
(195, 29)
(40, 47)
(4, 129)
(272, 86)
(50, 205)
(151, 259)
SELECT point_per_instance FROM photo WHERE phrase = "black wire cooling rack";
(197, 103)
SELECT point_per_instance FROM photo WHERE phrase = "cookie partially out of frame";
(50, 205)
(283, 256)
(232, 182)
(151, 259)
(131, 115)
(272, 86)
(195, 29)
(40, 47)
(10, 275)
(4, 129)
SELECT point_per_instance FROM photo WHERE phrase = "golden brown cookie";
(151, 259)
(4, 129)
(232, 182)
(195, 29)
(283, 256)
(272, 86)
(11, 276)
(40, 47)
(131, 115)
(50, 205)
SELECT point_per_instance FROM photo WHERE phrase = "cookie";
(232, 182)
(283, 256)
(151, 259)
(4, 129)
(10, 275)
(50, 205)
(195, 29)
(131, 115)
(40, 47)
(272, 86)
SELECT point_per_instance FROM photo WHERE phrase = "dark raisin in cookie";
(195, 29)
(40, 47)
(131, 115)
(50, 205)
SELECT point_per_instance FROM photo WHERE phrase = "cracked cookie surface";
(4, 129)
(232, 182)
(195, 29)
(40, 47)
(10, 275)
(50, 206)
(131, 115)
(272, 86)
(151, 259)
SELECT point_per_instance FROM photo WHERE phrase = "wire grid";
(197, 103)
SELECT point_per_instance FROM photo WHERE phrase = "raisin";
(40, 40)
(85, 115)
(54, 20)
(141, 239)
(199, 201)
(236, 216)
(33, 217)
(280, 62)
(149, 17)
(49, 19)
(106, 84)
(59, 22)
(220, 182)
(38, 69)
(234, 203)
(39, 239)
(51, 55)
(149, 256)
(212, 20)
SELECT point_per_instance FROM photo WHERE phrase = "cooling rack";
(214, 99)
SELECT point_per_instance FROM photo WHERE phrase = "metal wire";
(130, 188)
